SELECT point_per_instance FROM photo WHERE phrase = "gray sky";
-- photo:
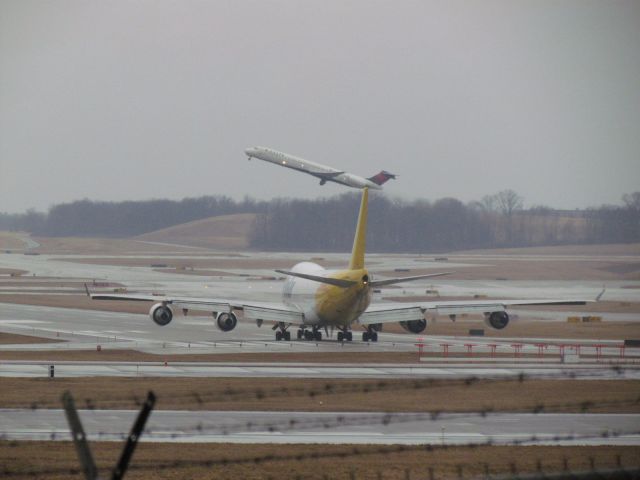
(116, 100)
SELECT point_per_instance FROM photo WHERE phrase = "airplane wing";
(265, 311)
(401, 311)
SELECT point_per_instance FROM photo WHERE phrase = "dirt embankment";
(221, 232)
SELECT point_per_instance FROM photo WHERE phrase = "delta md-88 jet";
(323, 172)
(316, 300)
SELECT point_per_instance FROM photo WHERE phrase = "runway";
(332, 427)
(85, 329)
(69, 369)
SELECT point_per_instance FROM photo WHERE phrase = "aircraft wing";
(401, 311)
(266, 311)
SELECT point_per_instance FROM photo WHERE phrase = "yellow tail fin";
(359, 241)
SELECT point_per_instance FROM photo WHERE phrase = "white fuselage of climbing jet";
(323, 172)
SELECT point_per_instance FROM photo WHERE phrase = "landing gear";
(370, 335)
(345, 336)
(282, 333)
(310, 335)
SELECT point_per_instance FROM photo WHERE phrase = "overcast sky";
(121, 100)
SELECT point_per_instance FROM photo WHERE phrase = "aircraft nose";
(250, 151)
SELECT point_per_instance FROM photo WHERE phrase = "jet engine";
(414, 326)
(161, 314)
(226, 321)
(497, 320)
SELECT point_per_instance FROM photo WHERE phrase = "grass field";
(318, 462)
(281, 394)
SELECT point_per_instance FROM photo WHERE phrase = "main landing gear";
(281, 332)
(345, 335)
(313, 334)
(370, 335)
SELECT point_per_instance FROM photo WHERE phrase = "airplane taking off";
(323, 172)
(315, 299)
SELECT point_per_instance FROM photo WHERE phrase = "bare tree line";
(327, 224)
(446, 224)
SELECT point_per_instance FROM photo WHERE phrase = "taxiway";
(332, 427)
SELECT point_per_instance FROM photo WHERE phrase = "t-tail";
(359, 241)
(382, 177)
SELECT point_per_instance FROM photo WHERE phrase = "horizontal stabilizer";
(337, 282)
(391, 281)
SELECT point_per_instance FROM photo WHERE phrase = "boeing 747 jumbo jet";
(323, 172)
(315, 299)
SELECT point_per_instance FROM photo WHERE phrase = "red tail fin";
(382, 177)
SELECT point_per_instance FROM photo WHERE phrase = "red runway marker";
(517, 348)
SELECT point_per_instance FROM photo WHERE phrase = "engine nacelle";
(497, 320)
(414, 326)
(161, 314)
(226, 321)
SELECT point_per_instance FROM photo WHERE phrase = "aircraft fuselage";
(327, 305)
(323, 172)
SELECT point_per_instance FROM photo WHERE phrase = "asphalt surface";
(331, 427)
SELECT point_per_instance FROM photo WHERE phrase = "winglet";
(359, 241)
(86, 289)
(601, 293)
